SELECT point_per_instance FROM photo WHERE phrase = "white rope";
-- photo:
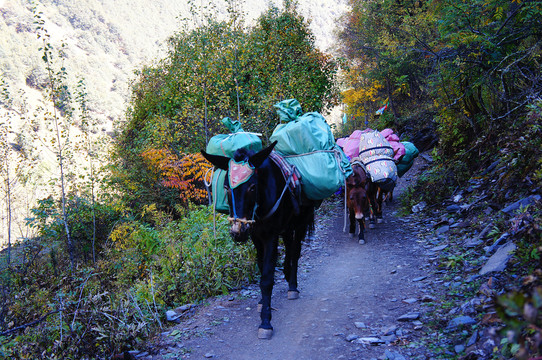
(242, 221)
(209, 187)
(345, 207)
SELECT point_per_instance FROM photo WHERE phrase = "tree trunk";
(391, 105)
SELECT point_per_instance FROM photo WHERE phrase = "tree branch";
(21, 327)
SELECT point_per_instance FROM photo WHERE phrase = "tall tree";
(387, 42)
(285, 63)
(58, 120)
(5, 163)
(488, 60)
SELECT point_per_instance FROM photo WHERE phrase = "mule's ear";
(257, 159)
(219, 161)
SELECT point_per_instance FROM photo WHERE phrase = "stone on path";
(391, 355)
(409, 317)
(461, 320)
(360, 325)
(510, 209)
(351, 337)
(497, 262)
(370, 340)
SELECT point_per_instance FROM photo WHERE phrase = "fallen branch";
(30, 323)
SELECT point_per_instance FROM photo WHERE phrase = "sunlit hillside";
(107, 40)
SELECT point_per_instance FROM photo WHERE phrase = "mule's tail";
(307, 214)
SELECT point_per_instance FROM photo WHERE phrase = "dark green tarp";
(411, 152)
(226, 145)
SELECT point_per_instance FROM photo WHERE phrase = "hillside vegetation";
(112, 247)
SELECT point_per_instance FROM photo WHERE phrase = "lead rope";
(338, 159)
(274, 209)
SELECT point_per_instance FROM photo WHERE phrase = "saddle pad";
(287, 169)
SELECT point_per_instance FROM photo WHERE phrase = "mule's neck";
(271, 184)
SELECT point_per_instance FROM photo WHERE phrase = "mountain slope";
(107, 40)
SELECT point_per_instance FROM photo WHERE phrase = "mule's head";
(357, 188)
(241, 187)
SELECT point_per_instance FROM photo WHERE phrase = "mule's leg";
(372, 220)
(390, 194)
(352, 217)
(361, 236)
(292, 241)
(379, 200)
(287, 238)
(371, 193)
(259, 262)
(267, 280)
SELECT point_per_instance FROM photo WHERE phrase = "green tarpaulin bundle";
(411, 152)
(306, 141)
(226, 145)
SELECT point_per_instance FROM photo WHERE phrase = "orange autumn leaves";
(184, 172)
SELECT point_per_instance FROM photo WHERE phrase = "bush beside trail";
(113, 305)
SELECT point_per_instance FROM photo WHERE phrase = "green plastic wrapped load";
(306, 141)
(226, 145)
(300, 133)
(411, 153)
(220, 200)
(322, 172)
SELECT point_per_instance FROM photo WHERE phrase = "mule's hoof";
(361, 242)
(379, 220)
(259, 308)
(372, 225)
(352, 234)
(292, 295)
(265, 333)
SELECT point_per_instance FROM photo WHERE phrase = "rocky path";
(357, 301)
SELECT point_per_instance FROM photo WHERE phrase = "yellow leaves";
(120, 234)
(359, 100)
(185, 174)
(362, 94)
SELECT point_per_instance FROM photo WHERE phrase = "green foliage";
(474, 62)
(382, 39)
(489, 55)
(140, 272)
(433, 186)
(284, 63)
(384, 121)
(47, 225)
(192, 263)
(520, 311)
(215, 70)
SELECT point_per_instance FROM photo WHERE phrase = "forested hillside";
(100, 47)
(125, 232)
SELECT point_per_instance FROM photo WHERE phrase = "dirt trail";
(350, 294)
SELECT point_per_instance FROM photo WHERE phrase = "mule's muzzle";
(239, 229)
